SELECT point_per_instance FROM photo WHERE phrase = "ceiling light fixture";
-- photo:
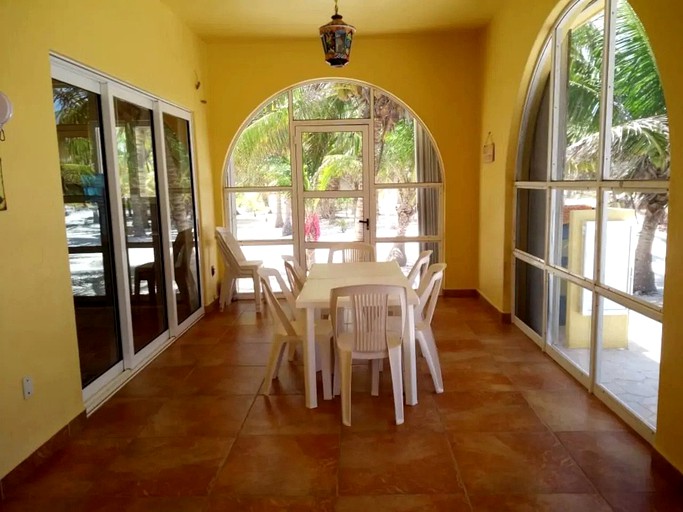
(336, 37)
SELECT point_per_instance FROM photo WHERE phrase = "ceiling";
(219, 19)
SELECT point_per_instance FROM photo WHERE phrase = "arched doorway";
(332, 161)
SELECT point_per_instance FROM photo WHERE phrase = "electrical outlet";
(27, 383)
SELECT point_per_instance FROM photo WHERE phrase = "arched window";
(331, 161)
(592, 195)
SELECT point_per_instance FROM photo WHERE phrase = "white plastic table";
(315, 295)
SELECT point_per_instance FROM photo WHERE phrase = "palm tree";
(640, 129)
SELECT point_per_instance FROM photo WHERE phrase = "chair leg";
(397, 382)
(273, 367)
(336, 381)
(326, 367)
(227, 287)
(431, 355)
(291, 352)
(257, 291)
(374, 371)
(346, 372)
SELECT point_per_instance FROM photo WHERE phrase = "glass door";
(138, 180)
(332, 179)
(177, 158)
(88, 221)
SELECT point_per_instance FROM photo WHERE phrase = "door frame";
(365, 194)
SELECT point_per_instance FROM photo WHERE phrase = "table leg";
(309, 360)
(410, 359)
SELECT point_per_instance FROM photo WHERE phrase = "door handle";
(366, 222)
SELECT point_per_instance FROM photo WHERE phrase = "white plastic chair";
(419, 267)
(290, 330)
(235, 266)
(428, 293)
(295, 274)
(352, 251)
(367, 337)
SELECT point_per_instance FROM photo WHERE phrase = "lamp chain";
(336, 8)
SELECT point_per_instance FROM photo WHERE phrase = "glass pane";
(629, 359)
(580, 101)
(137, 167)
(635, 243)
(640, 125)
(529, 295)
(536, 163)
(406, 253)
(332, 160)
(331, 100)
(570, 320)
(333, 219)
(531, 222)
(183, 220)
(407, 212)
(271, 255)
(263, 215)
(261, 157)
(88, 228)
(574, 238)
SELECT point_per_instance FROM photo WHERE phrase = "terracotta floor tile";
(287, 415)
(303, 465)
(376, 414)
(404, 503)
(618, 462)
(199, 416)
(146, 504)
(193, 432)
(545, 375)
(43, 505)
(572, 410)
(646, 501)
(121, 417)
(470, 351)
(222, 379)
(72, 471)
(539, 503)
(485, 411)
(474, 377)
(177, 466)
(396, 463)
(270, 504)
(516, 462)
(241, 354)
(156, 382)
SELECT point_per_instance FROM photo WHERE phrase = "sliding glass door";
(131, 224)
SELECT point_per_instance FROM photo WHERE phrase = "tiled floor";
(512, 432)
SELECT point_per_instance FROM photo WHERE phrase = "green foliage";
(639, 122)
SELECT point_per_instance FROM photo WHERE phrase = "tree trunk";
(279, 222)
(136, 201)
(644, 276)
(287, 225)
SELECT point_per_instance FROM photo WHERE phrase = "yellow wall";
(512, 46)
(438, 76)
(139, 41)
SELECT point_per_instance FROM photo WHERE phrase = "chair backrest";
(419, 268)
(369, 313)
(295, 274)
(231, 244)
(276, 308)
(428, 292)
(352, 251)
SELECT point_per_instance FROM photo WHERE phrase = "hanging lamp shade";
(336, 37)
